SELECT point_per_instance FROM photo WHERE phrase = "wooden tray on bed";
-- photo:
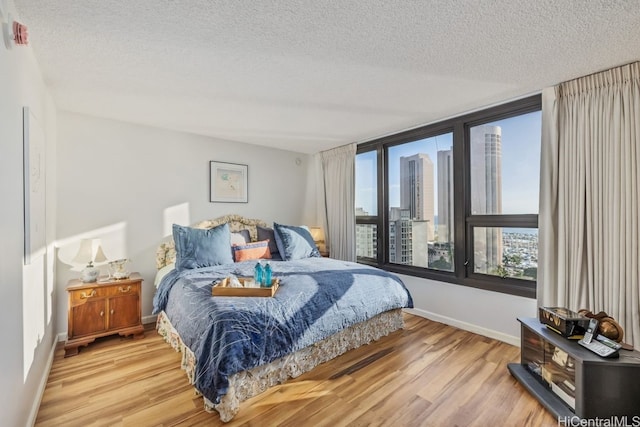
(223, 290)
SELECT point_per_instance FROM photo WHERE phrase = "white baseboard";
(149, 319)
(500, 336)
(33, 413)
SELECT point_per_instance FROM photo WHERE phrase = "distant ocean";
(532, 231)
(520, 230)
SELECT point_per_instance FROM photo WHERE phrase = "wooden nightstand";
(103, 308)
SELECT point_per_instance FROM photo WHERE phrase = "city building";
(486, 194)
(400, 236)
(420, 242)
(444, 230)
(366, 237)
(416, 189)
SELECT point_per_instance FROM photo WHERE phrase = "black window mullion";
(383, 204)
(510, 220)
(460, 168)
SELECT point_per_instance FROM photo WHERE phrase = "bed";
(234, 348)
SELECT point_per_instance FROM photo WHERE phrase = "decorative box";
(566, 322)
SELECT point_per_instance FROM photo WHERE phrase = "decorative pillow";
(241, 237)
(266, 233)
(294, 242)
(255, 250)
(196, 248)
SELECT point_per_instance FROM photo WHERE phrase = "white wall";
(27, 292)
(127, 184)
(487, 313)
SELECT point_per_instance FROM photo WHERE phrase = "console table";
(570, 380)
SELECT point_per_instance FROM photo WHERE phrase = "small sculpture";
(607, 325)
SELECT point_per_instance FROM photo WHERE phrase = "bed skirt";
(246, 384)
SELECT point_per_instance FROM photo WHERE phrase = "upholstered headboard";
(166, 253)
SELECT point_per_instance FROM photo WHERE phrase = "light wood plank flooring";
(428, 374)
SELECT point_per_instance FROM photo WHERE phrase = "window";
(367, 205)
(420, 213)
(504, 177)
(455, 201)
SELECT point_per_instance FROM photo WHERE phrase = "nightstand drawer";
(124, 289)
(82, 295)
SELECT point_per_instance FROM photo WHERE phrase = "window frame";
(464, 222)
(375, 219)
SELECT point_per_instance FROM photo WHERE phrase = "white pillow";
(163, 272)
(240, 238)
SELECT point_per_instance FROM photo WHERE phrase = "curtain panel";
(338, 180)
(590, 196)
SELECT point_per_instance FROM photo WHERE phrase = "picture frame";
(228, 182)
(34, 187)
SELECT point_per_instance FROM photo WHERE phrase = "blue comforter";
(317, 298)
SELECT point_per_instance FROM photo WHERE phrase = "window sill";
(516, 287)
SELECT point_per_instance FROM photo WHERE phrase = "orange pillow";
(254, 250)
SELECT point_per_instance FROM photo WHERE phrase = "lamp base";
(89, 274)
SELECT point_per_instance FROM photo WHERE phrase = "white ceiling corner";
(308, 76)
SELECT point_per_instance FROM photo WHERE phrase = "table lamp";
(318, 237)
(89, 252)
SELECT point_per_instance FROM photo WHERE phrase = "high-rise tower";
(416, 189)
(445, 196)
(486, 193)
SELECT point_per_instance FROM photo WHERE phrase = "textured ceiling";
(308, 75)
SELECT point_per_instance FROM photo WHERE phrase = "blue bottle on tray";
(266, 282)
(257, 274)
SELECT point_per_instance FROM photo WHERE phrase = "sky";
(521, 137)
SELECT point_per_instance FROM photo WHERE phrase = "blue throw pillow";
(294, 242)
(196, 248)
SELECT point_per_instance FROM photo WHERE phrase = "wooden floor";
(428, 374)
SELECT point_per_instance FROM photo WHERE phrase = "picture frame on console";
(228, 182)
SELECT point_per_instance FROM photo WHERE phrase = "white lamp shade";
(317, 234)
(90, 251)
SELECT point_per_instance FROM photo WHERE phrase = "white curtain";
(590, 196)
(321, 204)
(336, 191)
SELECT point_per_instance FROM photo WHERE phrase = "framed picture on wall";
(228, 182)
(34, 187)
